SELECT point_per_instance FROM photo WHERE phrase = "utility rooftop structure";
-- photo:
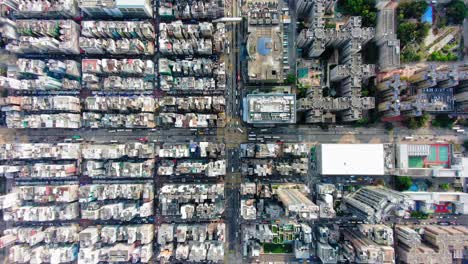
(270, 109)
(351, 159)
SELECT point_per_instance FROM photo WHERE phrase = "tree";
(406, 31)
(422, 120)
(443, 120)
(419, 215)
(444, 186)
(403, 183)
(417, 122)
(301, 91)
(324, 126)
(410, 32)
(465, 144)
(409, 55)
(290, 79)
(388, 126)
(362, 122)
(440, 56)
(412, 9)
(364, 8)
(411, 123)
(462, 122)
(456, 11)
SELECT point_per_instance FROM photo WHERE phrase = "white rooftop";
(352, 159)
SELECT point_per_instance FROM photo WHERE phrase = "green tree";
(409, 55)
(440, 56)
(422, 120)
(411, 123)
(443, 120)
(423, 31)
(301, 92)
(290, 79)
(324, 126)
(364, 8)
(412, 9)
(403, 183)
(444, 186)
(388, 126)
(456, 11)
(419, 215)
(418, 122)
(410, 32)
(362, 122)
(406, 31)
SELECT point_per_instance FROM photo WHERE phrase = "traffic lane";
(232, 214)
(344, 129)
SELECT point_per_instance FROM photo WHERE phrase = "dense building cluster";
(428, 89)
(181, 131)
(272, 159)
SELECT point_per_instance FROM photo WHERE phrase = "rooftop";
(352, 159)
(270, 109)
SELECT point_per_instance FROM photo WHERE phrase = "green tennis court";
(432, 154)
(443, 153)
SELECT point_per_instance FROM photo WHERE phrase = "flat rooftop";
(270, 109)
(265, 42)
(351, 159)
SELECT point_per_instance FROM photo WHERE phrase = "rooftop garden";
(272, 248)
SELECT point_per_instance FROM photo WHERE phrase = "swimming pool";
(427, 16)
